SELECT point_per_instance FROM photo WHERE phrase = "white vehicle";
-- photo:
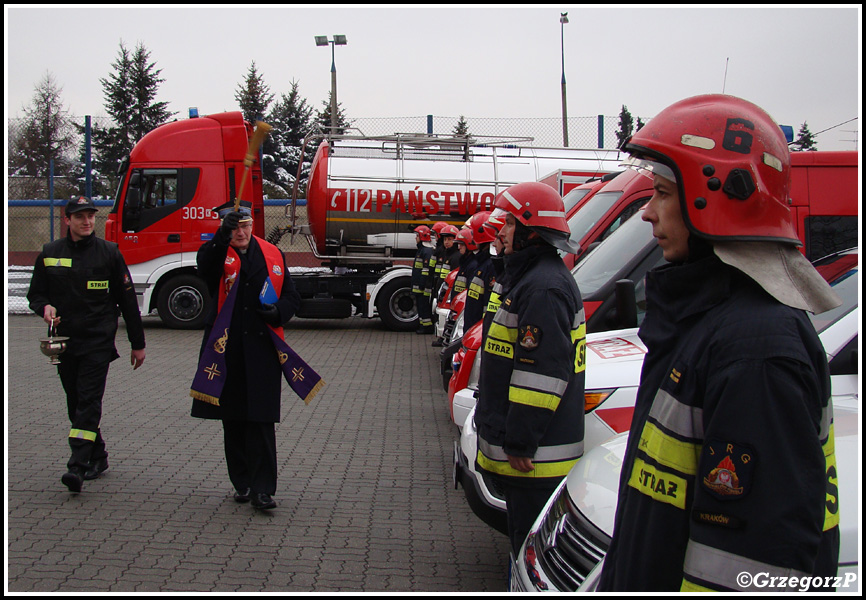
(566, 546)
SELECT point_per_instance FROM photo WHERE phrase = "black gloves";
(230, 223)
(270, 315)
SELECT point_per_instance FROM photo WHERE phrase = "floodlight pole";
(563, 19)
(339, 40)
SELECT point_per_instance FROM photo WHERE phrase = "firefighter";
(450, 257)
(729, 468)
(481, 281)
(450, 260)
(422, 278)
(468, 260)
(79, 283)
(529, 414)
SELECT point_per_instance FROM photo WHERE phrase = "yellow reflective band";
(97, 285)
(688, 586)
(578, 338)
(57, 262)
(533, 398)
(669, 451)
(541, 469)
(81, 434)
(500, 332)
(499, 348)
(831, 504)
(495, 301)
(658, 485)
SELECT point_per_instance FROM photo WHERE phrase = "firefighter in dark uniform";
(447, 262)
(729, 468)
(484, 276)
(422, 279)
(468, 260)
(80, 285)
(529, 414)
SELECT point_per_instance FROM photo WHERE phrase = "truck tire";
(396, 305)
(183, 302)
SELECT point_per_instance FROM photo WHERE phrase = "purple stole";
(211, 372)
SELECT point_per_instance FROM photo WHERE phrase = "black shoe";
(437, 343)
(424, 329)
(96, 469)
(263, 501)
(72, 480)
(242, 495)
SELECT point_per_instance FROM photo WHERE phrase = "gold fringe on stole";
(205, 397)
(314, 391)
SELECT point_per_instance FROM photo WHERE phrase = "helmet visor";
(649, 168)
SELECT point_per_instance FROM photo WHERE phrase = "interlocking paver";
(365, 496)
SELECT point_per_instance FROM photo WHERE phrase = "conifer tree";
(625, 127)
(323, 117)
(462, 127)
(805, 140)
(291, 118)
(253, 95)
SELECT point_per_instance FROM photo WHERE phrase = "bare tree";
(48, 133)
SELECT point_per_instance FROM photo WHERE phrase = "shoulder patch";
(726, 469)
(530, 337)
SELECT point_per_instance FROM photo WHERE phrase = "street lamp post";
(563, 19)
(339, 40)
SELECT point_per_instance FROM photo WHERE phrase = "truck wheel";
(396, 305)
(183, 302)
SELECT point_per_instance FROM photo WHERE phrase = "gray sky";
(798, 63)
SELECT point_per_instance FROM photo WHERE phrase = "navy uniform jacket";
(531, 382)
(89, 284)
(729, 466)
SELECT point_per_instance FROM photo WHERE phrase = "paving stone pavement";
(365, 499)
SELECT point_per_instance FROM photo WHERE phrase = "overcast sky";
(798, 63)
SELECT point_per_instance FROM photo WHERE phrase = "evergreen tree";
(48, 134)
(625, 127)
(805, 140)
(129, 100)
(639, 125)
(462, 127)
(253, 95)
(147, 114)
(323, 117)
(291, 118)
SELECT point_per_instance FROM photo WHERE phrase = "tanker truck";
(364, 197)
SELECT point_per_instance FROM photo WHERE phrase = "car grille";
(567, 545)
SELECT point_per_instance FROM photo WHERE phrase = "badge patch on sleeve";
(530, 337)
(726, 469)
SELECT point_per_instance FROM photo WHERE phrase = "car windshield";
(588, 215)
(845, 284)
(609, 257)
(574, 196)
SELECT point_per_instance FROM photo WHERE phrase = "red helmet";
(464, 236)
(480, 233)
(539, 207)
(423, 233)
(449, 230)
(731, 164)
(438, 226)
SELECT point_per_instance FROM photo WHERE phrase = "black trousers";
(83, 378)
(251, 455)
(523, 504)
